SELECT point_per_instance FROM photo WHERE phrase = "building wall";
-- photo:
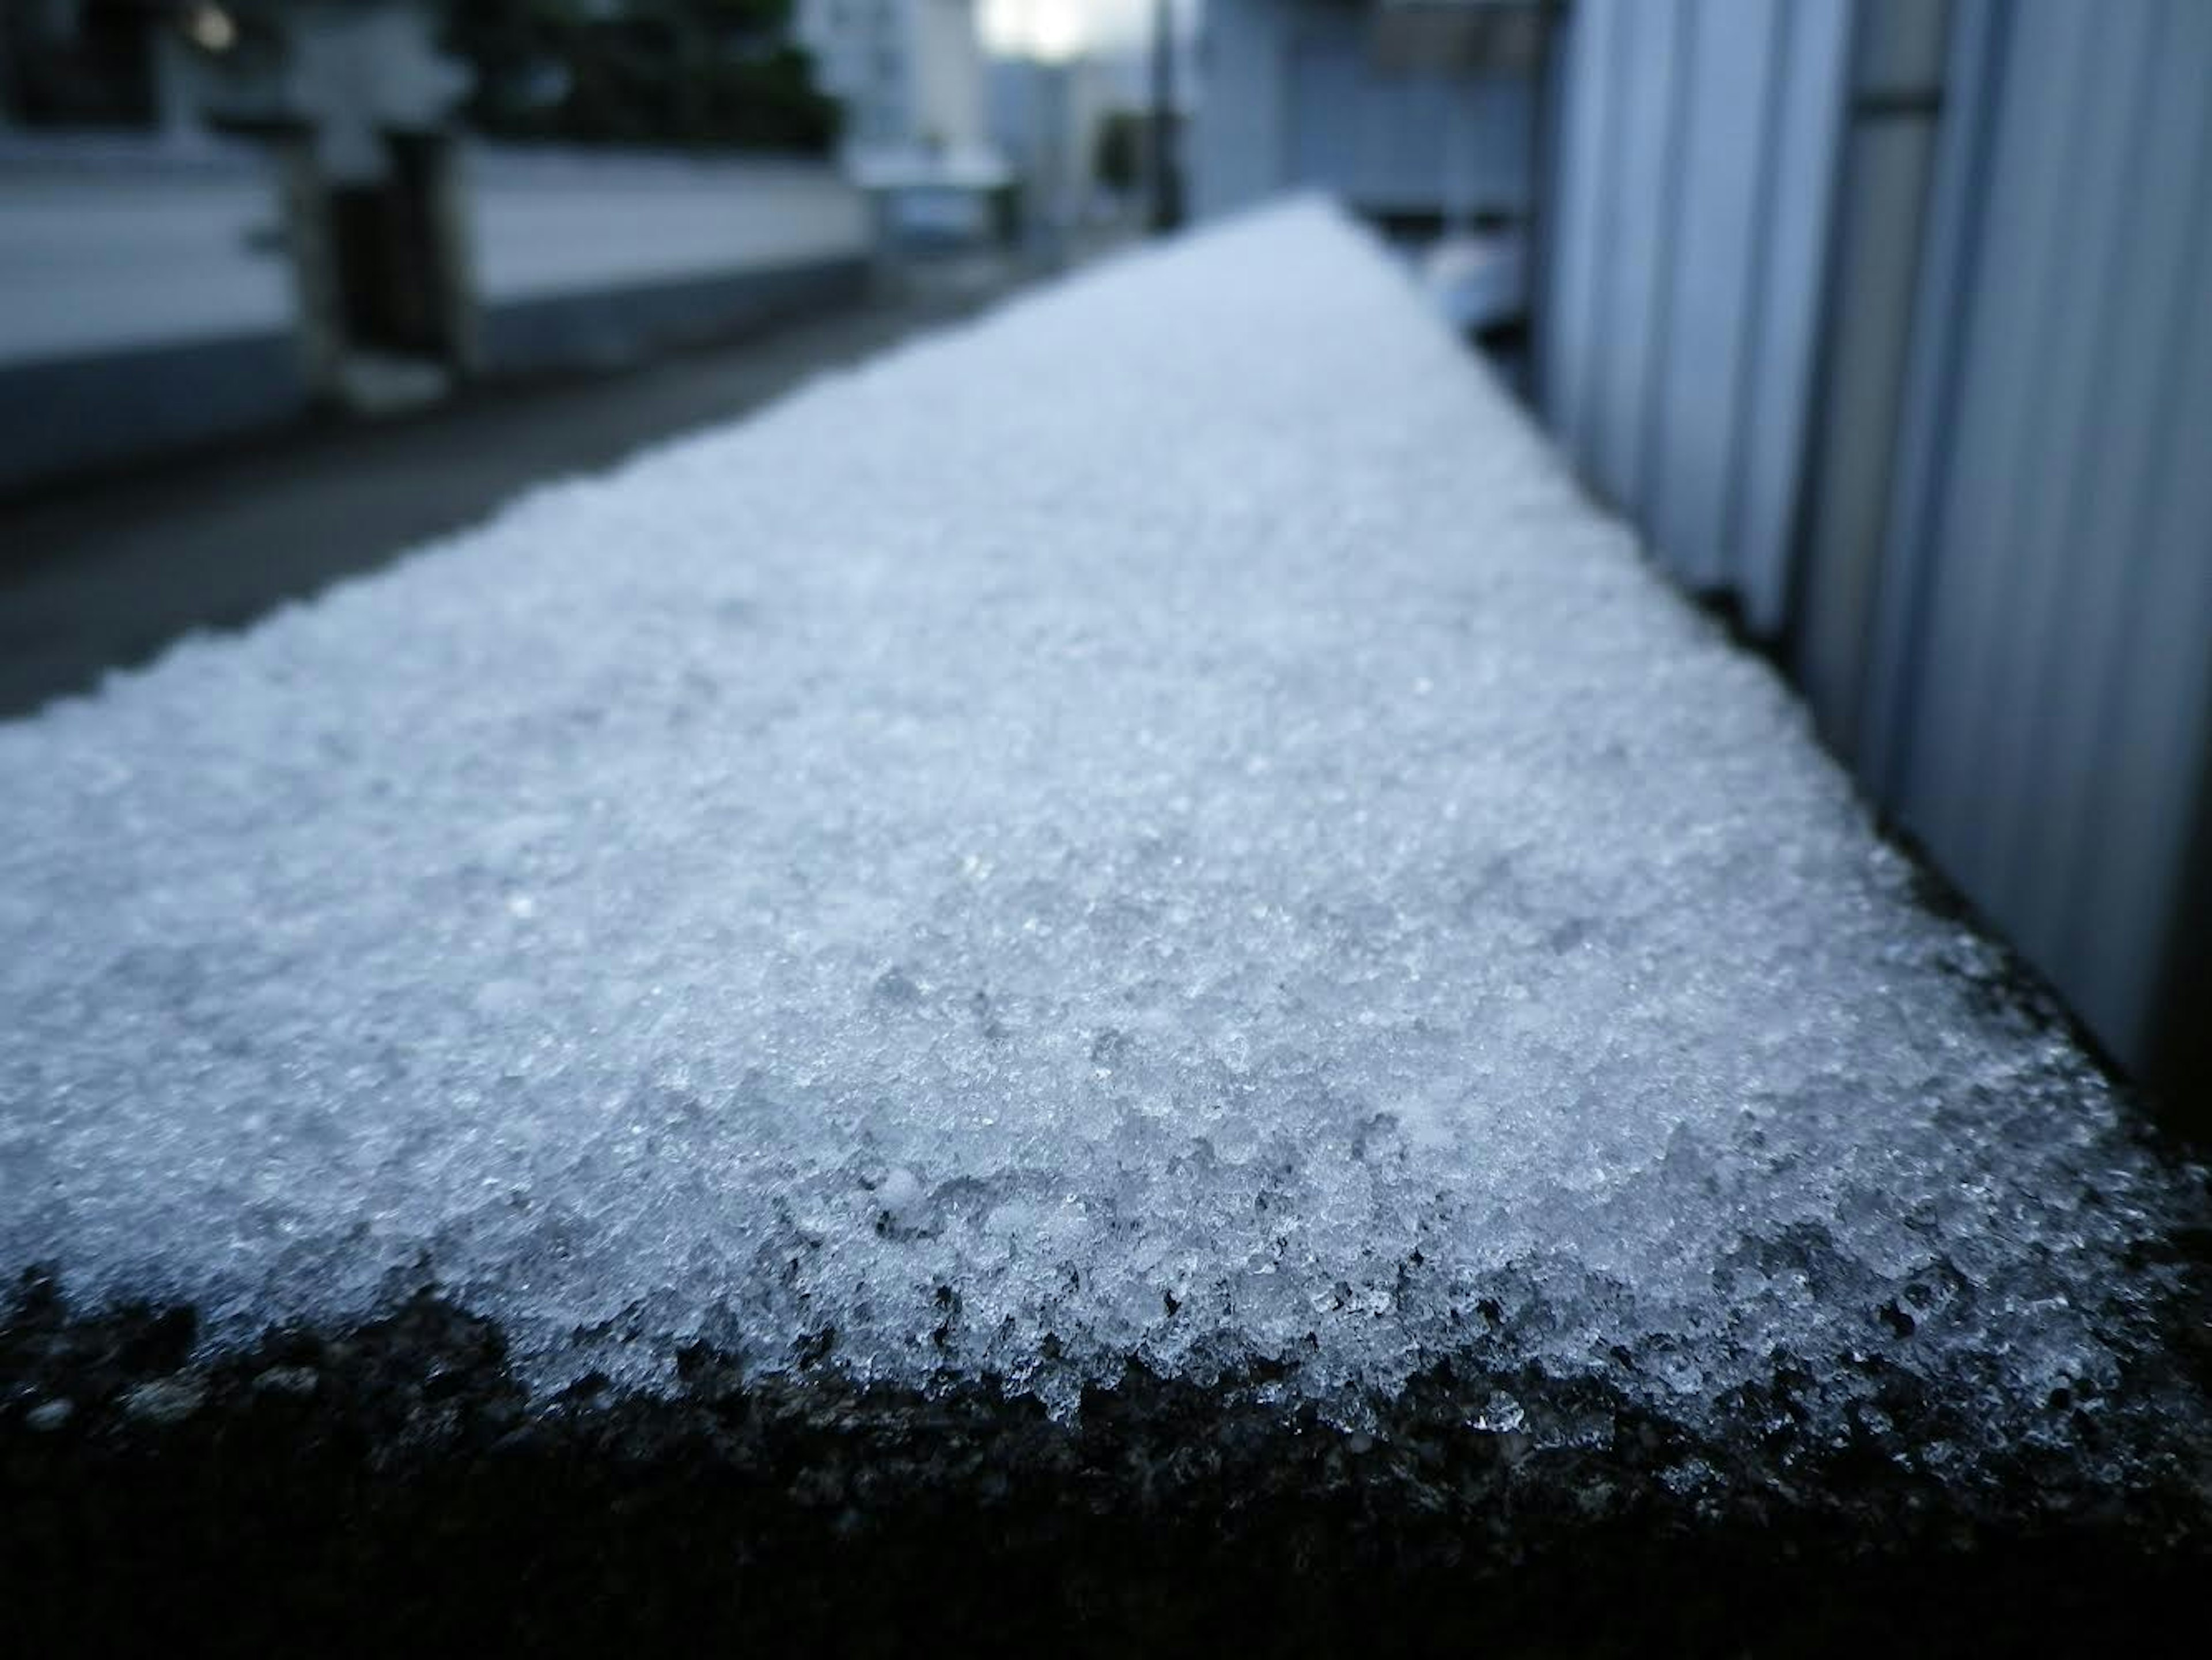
(1293, 99)
(860, 59)
(1238, 143)
(583, 259)
(907, 71)
(947, 57)
(1046, 119)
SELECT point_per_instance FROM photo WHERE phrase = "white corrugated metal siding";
(2016, 649)
(2042, 706)
(1698, 156)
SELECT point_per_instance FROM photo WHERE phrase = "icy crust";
(1157, 827)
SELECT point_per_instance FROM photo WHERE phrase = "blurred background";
(1885, 321)
(362, 203)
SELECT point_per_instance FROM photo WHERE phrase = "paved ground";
(104, 574)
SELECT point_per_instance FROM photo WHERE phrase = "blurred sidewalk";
(104, 574)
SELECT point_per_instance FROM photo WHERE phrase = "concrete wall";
(146, 300)
(152, 297)
(99, 254)
(586, 258)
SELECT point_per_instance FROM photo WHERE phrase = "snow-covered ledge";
(1151, 843)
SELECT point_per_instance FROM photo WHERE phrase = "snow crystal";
(1158, 826)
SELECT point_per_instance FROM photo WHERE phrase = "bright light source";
(1050, 31)
(210, 28)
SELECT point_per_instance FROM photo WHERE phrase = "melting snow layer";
(1158, 825)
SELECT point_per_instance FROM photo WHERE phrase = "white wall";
(947, 71)
(553, 224)
(117, 248)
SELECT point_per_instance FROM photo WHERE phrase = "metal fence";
(1893, 322)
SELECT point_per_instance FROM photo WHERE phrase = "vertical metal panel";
(1700, 150)
(1731, 70)
(1974, 76)
(2046, 672)
(1807, 132)
(2030, 640)
(2003, 415)
(2133, 687)
(1888, 165)
(2152, 741)
(1579, 185)
(1646, 57)
(2078, 437)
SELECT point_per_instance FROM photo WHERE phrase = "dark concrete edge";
(393, 1478)
(369, 1485)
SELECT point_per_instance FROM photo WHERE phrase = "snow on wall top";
(1158, 825)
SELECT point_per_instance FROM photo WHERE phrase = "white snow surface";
(1158, 825)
